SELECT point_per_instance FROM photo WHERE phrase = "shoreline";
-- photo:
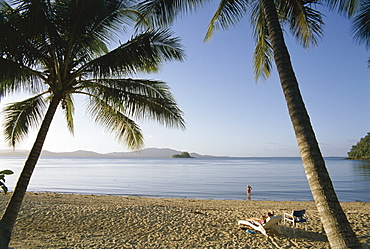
(169, 197)
(51, 220)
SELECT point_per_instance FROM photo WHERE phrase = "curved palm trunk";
(9, 218)
(336, 225)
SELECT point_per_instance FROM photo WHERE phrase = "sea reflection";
(361, 169)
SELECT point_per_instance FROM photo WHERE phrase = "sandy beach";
(49, 220)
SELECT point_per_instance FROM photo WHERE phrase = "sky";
(227, 112)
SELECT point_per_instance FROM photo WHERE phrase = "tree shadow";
(299, 234)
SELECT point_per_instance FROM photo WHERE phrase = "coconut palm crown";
(55, 50)
(59, 49)
(304, 22)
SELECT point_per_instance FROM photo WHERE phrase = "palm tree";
(267, 16)
(57, 49)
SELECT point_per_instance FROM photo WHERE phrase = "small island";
(182, 155)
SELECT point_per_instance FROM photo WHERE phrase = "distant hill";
(149, 152)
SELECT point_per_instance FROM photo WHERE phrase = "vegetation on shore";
(2, 179)
(361, 151)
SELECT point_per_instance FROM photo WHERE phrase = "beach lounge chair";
(270, 223)
(297, 216)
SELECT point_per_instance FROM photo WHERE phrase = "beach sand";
(49, 220)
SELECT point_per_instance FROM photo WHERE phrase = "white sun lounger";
(270, 223)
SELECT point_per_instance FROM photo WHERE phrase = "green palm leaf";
(22, 52)
(305, 23)
(69, 109)
(6, 172)
(262, 58)
(86, 28)
(263, 54)
(23, 42)
(124, 129)
(21, 116)
(229, 13)
(144, 52)
(361, 25)
(161, 13)
(15, 77)
(140, 99)
(346, 7)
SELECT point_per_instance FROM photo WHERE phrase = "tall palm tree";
(268, 16)
(57, 49)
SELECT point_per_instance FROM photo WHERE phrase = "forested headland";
(361, 151)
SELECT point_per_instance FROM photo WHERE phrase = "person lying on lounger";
(268, 221)
(262, 219)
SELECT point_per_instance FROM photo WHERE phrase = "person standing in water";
(249, 191)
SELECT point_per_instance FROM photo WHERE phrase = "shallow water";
(199, 178)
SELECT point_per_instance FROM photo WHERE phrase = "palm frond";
(87, 24)
(305, 23)
(144, 52)
(346, 7)
(15, 77)
(21, 116)
(124, 129)
(361, 25)
(262, 58)
(69, 109)
(229, 13)
(162, 13)
(263, 54)
(24, 26)
(140, 99)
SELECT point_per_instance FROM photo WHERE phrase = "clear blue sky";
(227, 113)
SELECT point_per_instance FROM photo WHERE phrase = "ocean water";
(275, 179)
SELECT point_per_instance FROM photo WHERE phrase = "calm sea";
(197, 178)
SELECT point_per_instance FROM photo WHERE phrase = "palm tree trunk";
(9, 218)
(336, 225)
